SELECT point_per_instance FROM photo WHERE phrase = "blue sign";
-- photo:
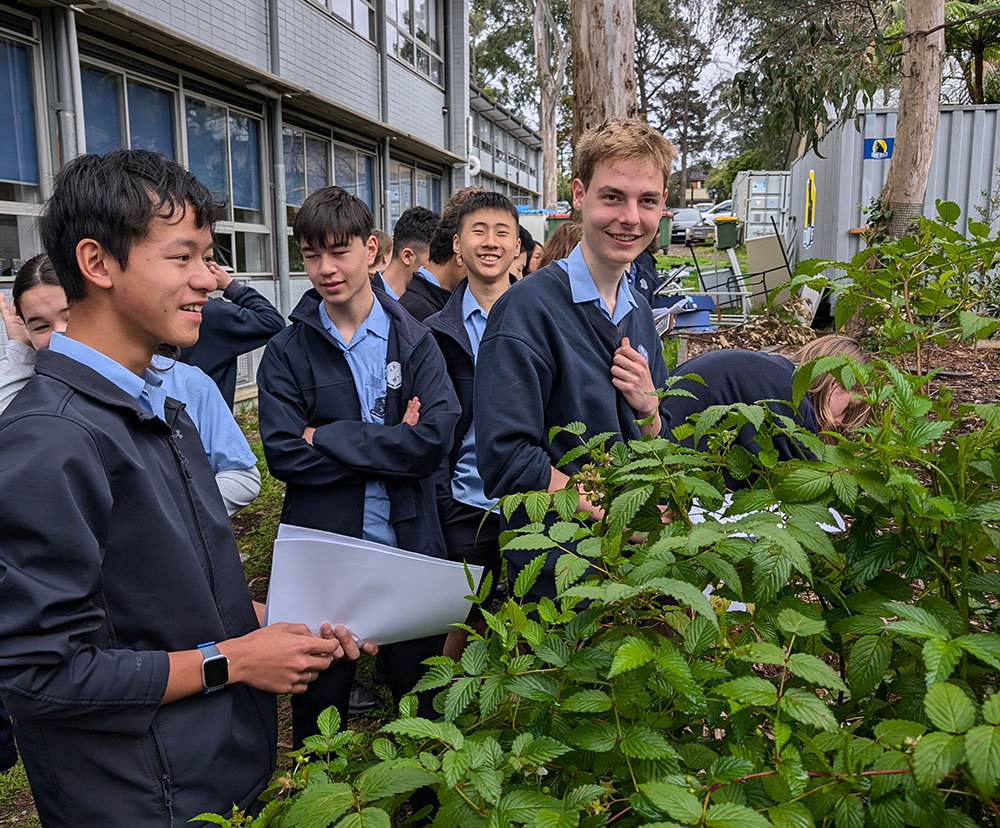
(879, 147)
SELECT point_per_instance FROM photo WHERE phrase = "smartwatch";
(214, 667)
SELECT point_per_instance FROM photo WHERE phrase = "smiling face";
(340, 272)
(44, 309)
(621, 211)
(487, 243)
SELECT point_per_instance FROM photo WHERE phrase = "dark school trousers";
(332, 688)
(468, 538)
(8, 753)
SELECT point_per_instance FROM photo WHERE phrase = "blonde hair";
(384, 247)
(623, 139)
(561, 243)
(460, 196)
(858, 411)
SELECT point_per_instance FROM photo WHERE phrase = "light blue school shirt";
(224, 443)
(466, 482)
(385, 286)
(366, 358)
(583, 289)
(430, 277)
(146, 388)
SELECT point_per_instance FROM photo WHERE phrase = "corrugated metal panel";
(964, 164)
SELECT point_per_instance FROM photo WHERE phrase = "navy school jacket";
(545, 361)
(422, 298)
(115, 549)
(304, 380)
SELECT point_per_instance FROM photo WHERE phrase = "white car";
(723, 208)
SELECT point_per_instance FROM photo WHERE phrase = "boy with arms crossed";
(486, 238)
(131, 657)
(356, 414)
(573, 342)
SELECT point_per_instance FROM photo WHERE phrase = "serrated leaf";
(438, 675)
(687, 593)
(803, 706)
(599, 737)
(894, 732)
(640, 741)
(509, 504)
(795, 623)
(991, 709)
(567, 502)
(535, 542)
(764, 652)
(739, 462)
(679, 802)
(727, 768)
(320, 804)
(846, 488)
(563, 531)
(459, 696)
(383, 749)
(849, 812)
(791, 815)
(583, 795)
(866, 665)
(393, 777)
(541, 749)
(975, 326)
(731, 815)
(569, 569)
(526, 577)
(633, 652)
(474, 658)
(489, 783)
(886, 812)
(803, 484)
(935, 756)
(749, 690)
(587, 701)
(328, 721)
(420, 728)
(368, 818)
(551, 818)
(625, 506)
(699, 636)
(521, 805)
(815, 671)
(949, 708)
(982, 753)
(984, 646)
(917, 621)
(940, 658)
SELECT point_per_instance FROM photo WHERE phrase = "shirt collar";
(132, 384)
(376, 323)
(470, 305)
(430, 277)
(583, 289)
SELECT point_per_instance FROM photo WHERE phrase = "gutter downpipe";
(278, 158)
(67, 113)
(383, 78)
(75, 80)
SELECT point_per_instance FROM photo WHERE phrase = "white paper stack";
(379, 593)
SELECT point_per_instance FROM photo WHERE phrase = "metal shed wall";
(965, 161)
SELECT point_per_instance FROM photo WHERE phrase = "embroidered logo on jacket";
(393, 375)
(642, 350)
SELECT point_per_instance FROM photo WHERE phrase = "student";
(432, 284)
(535, 259)
(240, 322)
(411, 240)
(573, 343)
(733, 376)
(383, 255)
(526, 245)
(486, 239)
(41, 310)
(131, 657)
(561, 243)
(356, 414)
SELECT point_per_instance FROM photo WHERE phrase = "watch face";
(215, 671)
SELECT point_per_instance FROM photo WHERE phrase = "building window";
(19, 176)
(409, 187)
(358, 14)
(307, 167)
(414, 35)
(354, 170)
(122, 112)
(224, 152)
(485, 131)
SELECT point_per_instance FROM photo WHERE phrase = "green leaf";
(474, 658)
(569, 570)
(982, 753)
(438, 675)
(567, 502)
(917, 621)
(866, 665)
(551, 818)
(679, 802)
(984, 646)
(599, 737)
(687, 593)
(763, 652)
(815, 671)
(846, 488)
(803, 706)
(328, 721)
(368, 818)
(488, 782)
(739, 462)
(791, 815)
(976, 326)
(979, 229)
(803, 484)
(886, 812)
(393, 777)
(536, 542)
(419, 728)
(849, 812)
(935, 756)
(949, 708)
(893, 732)
(583, 795)
(640, 741)
(731, 815)
(991, 709)
(795, 623)
(749, 690)
(536, 504)
(526, 577)
(459, 696)
(587, 701)
(948, 211)
(728, 768)
(320, 804)
(563, 531)
(634, 651)
(699, 636)
(542, 749)
(624, 507)
(521, 805)
(940, 658)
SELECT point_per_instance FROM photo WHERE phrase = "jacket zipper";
(165, 781)
(182, 464)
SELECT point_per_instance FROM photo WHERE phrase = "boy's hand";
(307, 435)
(630, 375)
(16, 329)
(412, 414)
(222, 278)
(350, 648)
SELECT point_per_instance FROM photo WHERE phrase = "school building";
(265, 101)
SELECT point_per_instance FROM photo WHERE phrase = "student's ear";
(372, 247)
(578, 191)
(407, 256)
(455, 245)
(96, 264)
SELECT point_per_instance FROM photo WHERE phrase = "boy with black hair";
(486, 238)
(131, 657)
(573, 342)
(411, 240)
(356, 414)
(433, 283)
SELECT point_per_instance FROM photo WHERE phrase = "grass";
(704, 253)
(16, 805)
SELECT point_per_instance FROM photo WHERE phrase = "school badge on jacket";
(642, 350)
(393, 375)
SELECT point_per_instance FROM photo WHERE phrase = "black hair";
(113, 199)
(38, 270)
(414, 229)
(527, 242)
(331, 217)
(486, 201)
(443, 240)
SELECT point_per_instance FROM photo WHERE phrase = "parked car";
(684, 217)
(562, 207)
(701, 233)
(723, 208)
(704, 207)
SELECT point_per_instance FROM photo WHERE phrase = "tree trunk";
(551, 53)
(603, 42)
(916, 123)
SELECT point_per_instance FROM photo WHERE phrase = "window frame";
(351, 25)
(407, 29)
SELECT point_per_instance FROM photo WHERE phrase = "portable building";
(761, 201)
(831, 188)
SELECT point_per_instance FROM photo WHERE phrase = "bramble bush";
(855, 687)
